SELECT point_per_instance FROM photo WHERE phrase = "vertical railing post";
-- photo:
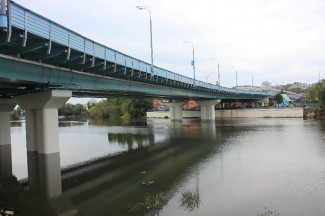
(8, 12)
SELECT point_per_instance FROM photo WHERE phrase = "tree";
(91, 103)
(278, 98)
(72, 110)
(120, 108)
(313, 94)
(100, 110)
(14, 115)
(322, 97)
(316, 93)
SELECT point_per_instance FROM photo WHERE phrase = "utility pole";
(151, 46)
(193, 61)
(218, 70)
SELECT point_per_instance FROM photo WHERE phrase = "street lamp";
(148, 9)
(193, 63)
(218, 70)
(236, 74)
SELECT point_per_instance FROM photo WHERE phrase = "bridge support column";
(8, 183)
(265, 102)
(208, 111)
(176, 110)
(42, 135)
(6, 105)
(43, 153)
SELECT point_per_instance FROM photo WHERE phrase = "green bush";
(120, 108)
(190, 200)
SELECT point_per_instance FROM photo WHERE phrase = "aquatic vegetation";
(190, 200)
(152, 202)
(268, 212)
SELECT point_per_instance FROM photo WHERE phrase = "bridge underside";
(21, 76)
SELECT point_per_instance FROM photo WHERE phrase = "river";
(230, 167)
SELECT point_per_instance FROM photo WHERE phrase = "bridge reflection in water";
(111, 184)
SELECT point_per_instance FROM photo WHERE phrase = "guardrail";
(31, 22)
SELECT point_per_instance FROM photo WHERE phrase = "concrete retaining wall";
(239, 113)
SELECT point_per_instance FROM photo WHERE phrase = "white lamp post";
(148, 9)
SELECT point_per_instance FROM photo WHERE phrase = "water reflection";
(132, 141)
(118, 122)
(134, 178)
(194, 168)
(71, 123)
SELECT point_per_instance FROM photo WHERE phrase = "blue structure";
(286, 101)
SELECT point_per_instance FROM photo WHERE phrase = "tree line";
(316, 93)
(120, 108)
(105, 109)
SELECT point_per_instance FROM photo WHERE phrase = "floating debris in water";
(6, 213)
(268, 212)
(148, 183)
(143, 172)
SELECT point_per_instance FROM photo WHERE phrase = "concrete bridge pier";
(176, 110)
(208, 109)
(265, 101)
(43, 152)
(8, 183)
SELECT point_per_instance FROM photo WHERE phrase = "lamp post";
(218, 70)
(148, 9)
(193, 62)
(236, 75)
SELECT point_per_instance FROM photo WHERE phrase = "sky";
(278, 40)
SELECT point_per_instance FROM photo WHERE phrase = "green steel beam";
(16, 70)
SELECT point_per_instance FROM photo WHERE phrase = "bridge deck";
(31, 36)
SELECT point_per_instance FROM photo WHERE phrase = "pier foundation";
(176, 110)
(208, 109)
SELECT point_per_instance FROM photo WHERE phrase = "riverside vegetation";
(120, 108)
(112, 108)
(316, 95)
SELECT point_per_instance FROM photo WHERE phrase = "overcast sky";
(283, 40)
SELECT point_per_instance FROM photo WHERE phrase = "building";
(286, 101)
(191, 105)
(266, 86)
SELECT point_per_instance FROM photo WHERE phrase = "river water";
(230, 167)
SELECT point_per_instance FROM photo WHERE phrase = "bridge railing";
(27, 20)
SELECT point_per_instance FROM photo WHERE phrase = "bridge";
(43, 64)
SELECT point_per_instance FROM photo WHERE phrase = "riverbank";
(314, 113)
(239, 113)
